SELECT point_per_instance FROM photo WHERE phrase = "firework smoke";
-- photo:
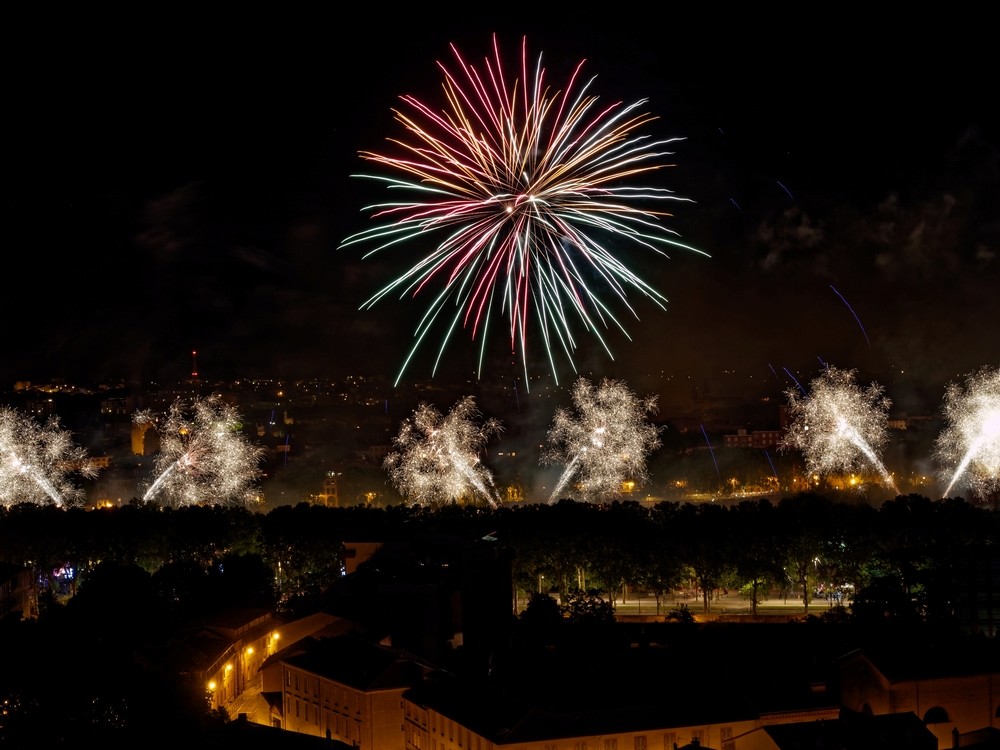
(436, 460)
(838, 426)
(971, 439)
(604, 443)
(528, 188)
(37, 460)
(204, 458)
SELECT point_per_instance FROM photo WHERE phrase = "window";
(699, 735)
(669, 740)
(639, 743)
(611, 744)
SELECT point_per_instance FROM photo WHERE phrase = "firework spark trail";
(971, 437)
(852, 313)
(528, 189)
(604, 443)
(204, 458)
(837, 424)
(773, 470)
(797, 383)
(711, 450)
(436, 460)
(37, 460)
(160, 480)
(567, 474)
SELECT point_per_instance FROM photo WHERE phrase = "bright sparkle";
(839, 427)
(436, 461)
(530, 193)
(36, 462)
(970, 441)
(604, 443)
(204, 458)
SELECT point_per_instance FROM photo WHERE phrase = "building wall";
(285, 636)
(315, 705)
(864, 688)
(239, 664)
(966, 701)
(427, 729)
(970, 702)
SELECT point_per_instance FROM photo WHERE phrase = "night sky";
(175, 185)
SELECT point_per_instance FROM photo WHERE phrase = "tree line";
(910, 556)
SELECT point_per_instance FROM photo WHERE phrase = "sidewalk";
(732, 603)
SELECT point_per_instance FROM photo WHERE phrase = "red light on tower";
(194, 364)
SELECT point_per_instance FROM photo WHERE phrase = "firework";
(531, 193)
(971, 439)
(36, 462)
(604, 443)
(436, 460)
(838, 426)
(204, 458)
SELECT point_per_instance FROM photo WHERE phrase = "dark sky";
(174, 184)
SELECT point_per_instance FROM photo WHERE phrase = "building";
(954, 691)
(902, 731)
(346, 688)
(759, 439)
(451, 714)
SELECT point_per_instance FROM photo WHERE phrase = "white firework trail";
(36, 462)
(604, 443)
(971, 439)
(839, 426)
(436, 460)
(204, 458)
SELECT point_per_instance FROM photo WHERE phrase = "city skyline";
(195, 200)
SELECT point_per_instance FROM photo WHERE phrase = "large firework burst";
(604, 443)
(436, 460)
(838, 426)
(969, 446)
(204, 458)
(36, 461)
(531, 194)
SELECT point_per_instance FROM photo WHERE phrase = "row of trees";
(909, 556)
